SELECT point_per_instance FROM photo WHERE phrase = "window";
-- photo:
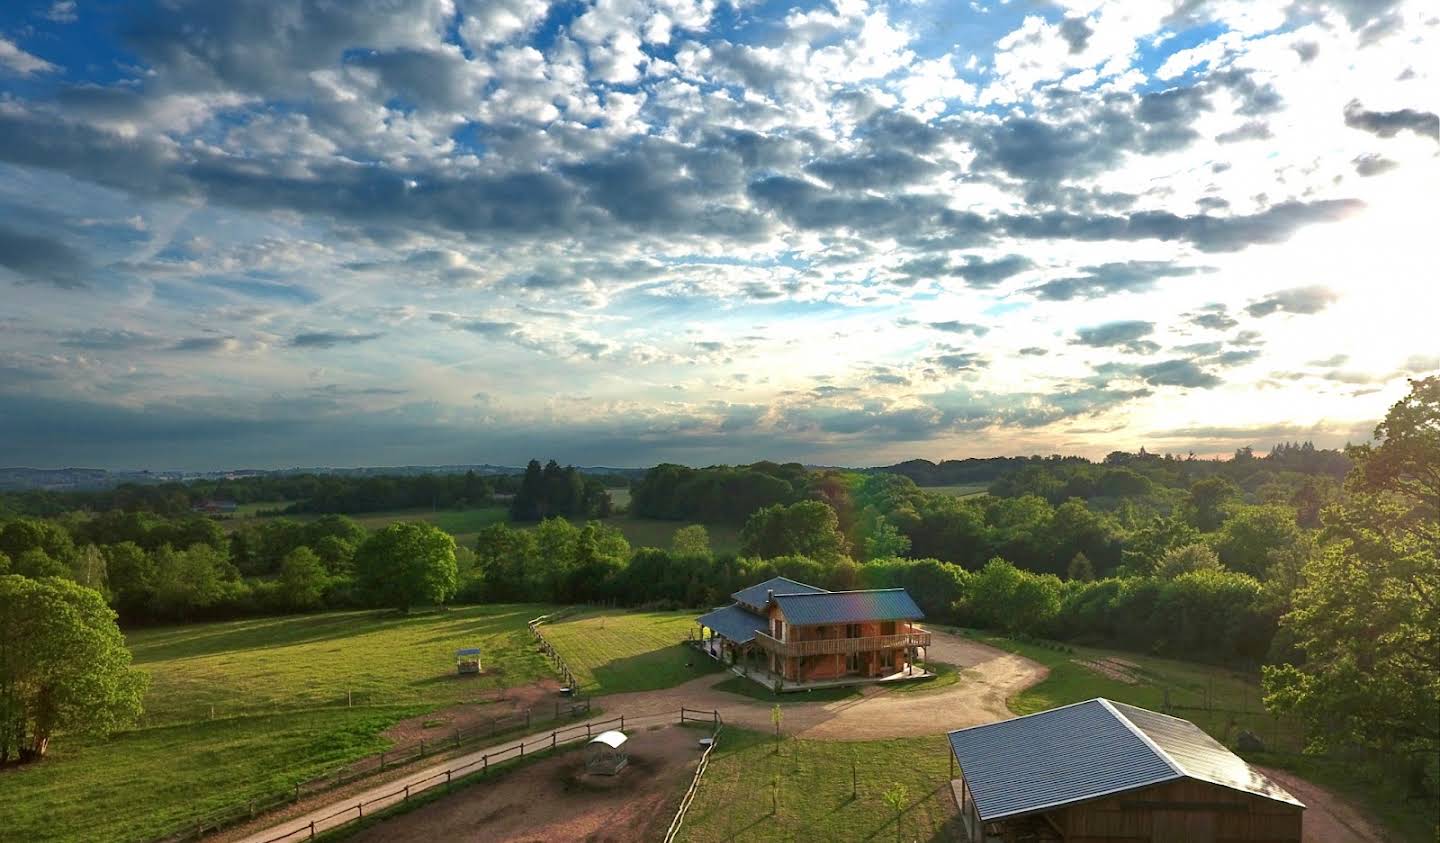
(779, 630)
(852, 630)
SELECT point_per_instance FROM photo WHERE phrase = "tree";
(1207, 499)
(132, 576)
(807, 528)
(302, 579)
(189, 579)
(504, 555)
(1188, 559)
(1080, 569)
(895, 797)
(407, 564)
(777, 716)
(883, 540)
(63, 666)
(693, 540)
(1367, 616)
(1251, 532)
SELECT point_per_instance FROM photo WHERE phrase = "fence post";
(407, 793)
(382, 762)
(527, 720)
(447, 779)
(522, 749)
(552, 739)
(422, 747)
(622, 722)
(312, 829)
(587, 731)
(360, 809)
(297, 791)
(485, 760)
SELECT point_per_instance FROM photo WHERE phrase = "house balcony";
(841, 646)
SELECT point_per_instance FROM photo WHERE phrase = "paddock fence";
(356, 812)
(397, 756)
(557, 661)
(695, 716)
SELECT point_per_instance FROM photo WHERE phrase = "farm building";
(786, 633)
(1101, 772)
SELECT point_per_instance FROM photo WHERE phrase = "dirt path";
(555, 800)
(1329, 818)
(990, 677)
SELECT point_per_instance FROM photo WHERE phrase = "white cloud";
(20, 62)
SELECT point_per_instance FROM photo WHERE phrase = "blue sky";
(625, 231)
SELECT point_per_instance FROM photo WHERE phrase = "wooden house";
(1105, 772)
(796, 634)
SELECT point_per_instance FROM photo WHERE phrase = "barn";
(1104, 772)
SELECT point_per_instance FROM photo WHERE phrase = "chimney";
(769, 596)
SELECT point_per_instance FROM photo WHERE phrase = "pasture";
(751, 792)
(961, 490)
(277, 687)
(611, 652)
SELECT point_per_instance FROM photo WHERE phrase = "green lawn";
(961, 490)
(278, 689)
(815, 799)
(612, 652)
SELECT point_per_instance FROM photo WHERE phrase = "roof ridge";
(1146, 739)
(1022, 716)
(847, 591)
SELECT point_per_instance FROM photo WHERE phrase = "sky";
(618, 232)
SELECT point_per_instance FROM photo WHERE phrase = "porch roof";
(734, 623)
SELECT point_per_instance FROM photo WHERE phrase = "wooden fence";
(356, 812)
(556, 660)
(395, 756)
(699, 770)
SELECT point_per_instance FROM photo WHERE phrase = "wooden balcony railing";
(843, 646)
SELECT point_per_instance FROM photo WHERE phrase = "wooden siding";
(1182, 811)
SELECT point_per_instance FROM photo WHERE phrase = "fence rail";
(372, 765)
(556, 660)
(694, 788)
(356, 812)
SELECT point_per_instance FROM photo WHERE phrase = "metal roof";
(468, 651)
(1200, 756)
(1088, 750)
(613, 738)
(733, 623)
(881, 604)
(755, 594)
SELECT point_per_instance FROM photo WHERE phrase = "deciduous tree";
(407, 564)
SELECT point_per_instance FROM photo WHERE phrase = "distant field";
(266, 679)
(619, 498)
(963, 490)
(612, 652)
(814, 801)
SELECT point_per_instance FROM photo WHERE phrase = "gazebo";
(606, 754)
(467, 660)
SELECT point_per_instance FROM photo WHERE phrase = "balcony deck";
(841, 646)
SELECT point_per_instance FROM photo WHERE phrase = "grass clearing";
(814, 796)
(277, 687)
(612, 652)
(959, 490)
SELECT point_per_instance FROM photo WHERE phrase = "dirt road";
(1328, 817)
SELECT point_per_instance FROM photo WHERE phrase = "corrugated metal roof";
(755, 594)
(1088, 750)
(1067, 754)
(1200, 756)
(883, 604)
(468, 651)
(734, 623)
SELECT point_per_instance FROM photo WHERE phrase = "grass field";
(274, 684)
(612, 652)
(962, 490)
(814, 795)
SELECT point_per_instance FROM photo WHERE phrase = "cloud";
(982, 273)
(21, 63)
(1214, 317)
(1178, 373)
(1124, 334)
(204, 345)
(955, 327)
(41, 259)
(1387, 124)
(1034, 351)
(109, 339)
(330, 339)
(1373, 164)
(1105, 279)
(1299, 300)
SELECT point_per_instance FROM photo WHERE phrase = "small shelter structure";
(1105, 772)
(606, 753)
(467, 660)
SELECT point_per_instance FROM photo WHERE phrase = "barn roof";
(880, 604)
(1088, 750)
(755, 595)
(734, 623)
(613, 738)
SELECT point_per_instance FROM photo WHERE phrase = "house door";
(852, 663)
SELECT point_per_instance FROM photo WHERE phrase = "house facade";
(790, 633)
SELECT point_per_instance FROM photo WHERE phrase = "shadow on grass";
(663, 668)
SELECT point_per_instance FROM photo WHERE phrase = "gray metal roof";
(755, 594)
(1200, 756)
(882, 604)
(734, 623)
(1089, 750)
(468, 651)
